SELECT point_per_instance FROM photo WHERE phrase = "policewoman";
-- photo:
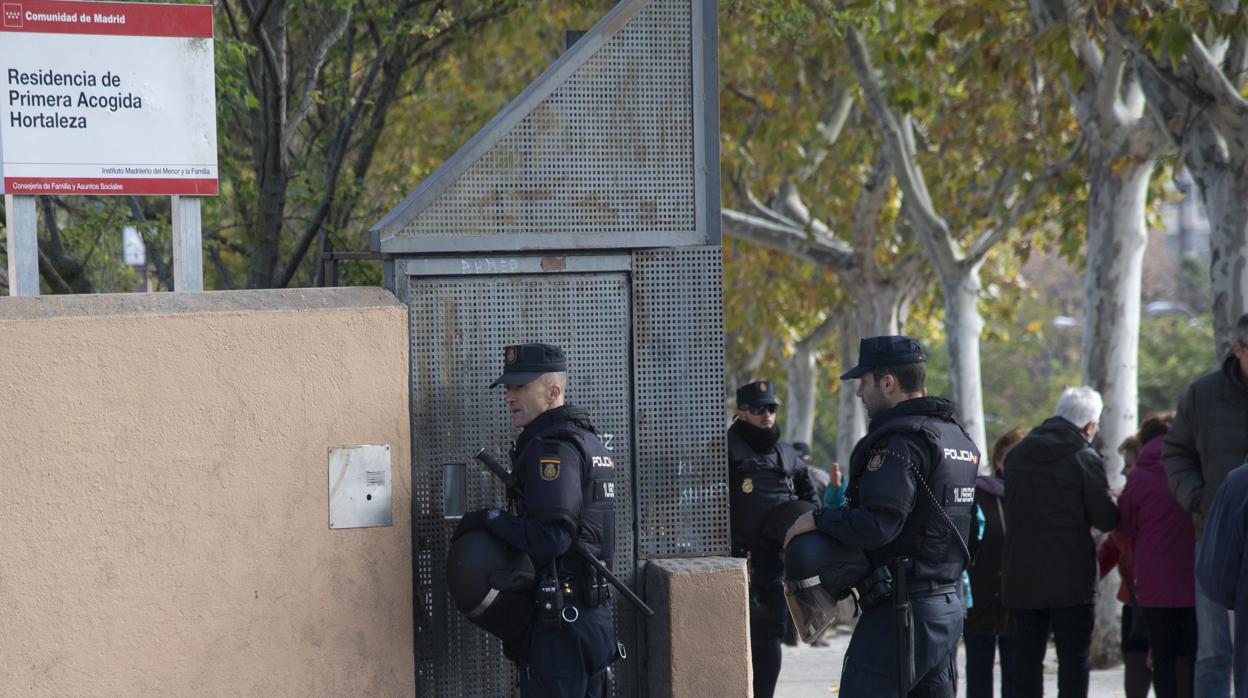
(564, 509)
(766, 478)
(908, 507)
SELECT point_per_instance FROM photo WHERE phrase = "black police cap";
(889, 350)
(524, 362)
(757, 394)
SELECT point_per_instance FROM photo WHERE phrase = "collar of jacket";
(761, 440)
(565, 413)
(1063, 423)
(1234, 378)
(937, 407)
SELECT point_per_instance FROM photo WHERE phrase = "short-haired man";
(566, 480)
(909, 500)
(1055, 492)
(763, 473)
(1208, 439)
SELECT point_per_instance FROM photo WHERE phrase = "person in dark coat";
(1119, 551)
(1055, 492)
(1222, 565)
(989, 625)
(763, 473)
(1164, 566)
(1208, 439)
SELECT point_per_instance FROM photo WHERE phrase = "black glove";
(471, 522)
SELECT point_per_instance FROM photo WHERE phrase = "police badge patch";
(550, 468)
(511, 355)
(747, 485)
(876, 461)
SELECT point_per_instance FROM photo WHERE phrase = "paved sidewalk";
(814, 672)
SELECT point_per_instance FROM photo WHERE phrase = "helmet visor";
(812, 607)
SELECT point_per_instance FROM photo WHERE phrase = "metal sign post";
(188, 261)
(23, 245)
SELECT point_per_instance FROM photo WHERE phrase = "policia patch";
(550, 468)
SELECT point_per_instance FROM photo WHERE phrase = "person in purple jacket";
(1222, 566)
(1165, 562)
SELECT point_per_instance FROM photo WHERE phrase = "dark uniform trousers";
(569, 662)
(911, 478)
(870, 669)
(768, 617)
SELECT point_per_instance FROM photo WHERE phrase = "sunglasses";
(769, 409)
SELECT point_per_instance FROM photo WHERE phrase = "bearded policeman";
(766, 478)
(909, 503)
(564, 478)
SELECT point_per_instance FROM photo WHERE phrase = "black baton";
(904, 618)
(494, 467)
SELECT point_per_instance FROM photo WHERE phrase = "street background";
(815, 672)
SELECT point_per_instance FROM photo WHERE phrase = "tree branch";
(314, 70)
(1108, 86)
(820, 334)
(1018, 208)
(833, 254)
(897, 134)
(1210, 79)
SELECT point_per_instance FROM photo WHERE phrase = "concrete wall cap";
(700, 565)
(19, 308)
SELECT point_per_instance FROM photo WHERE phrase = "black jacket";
(1055, 492)
(988, 616)
(763, 472)
(567, 480)
(887, 515)
(1208, 439)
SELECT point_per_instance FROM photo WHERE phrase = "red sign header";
(109, 18)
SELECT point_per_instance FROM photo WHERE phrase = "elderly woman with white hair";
(1055, 493)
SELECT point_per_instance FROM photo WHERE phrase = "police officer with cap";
(767, 485)
(909, 503)
(564, 510)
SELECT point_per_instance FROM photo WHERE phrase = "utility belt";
(560, 597)
(878, 586)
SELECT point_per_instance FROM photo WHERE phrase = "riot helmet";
(819, 570)
(492, 584)
(778, 519)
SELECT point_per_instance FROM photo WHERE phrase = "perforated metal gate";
(645, 350)
(678, 355)
(458, 327)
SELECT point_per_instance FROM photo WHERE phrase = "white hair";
(1079, 406)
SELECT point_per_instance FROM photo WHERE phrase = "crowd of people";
(1175, 533)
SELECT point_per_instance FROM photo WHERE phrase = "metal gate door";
(459, 326)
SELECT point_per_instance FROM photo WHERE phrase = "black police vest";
(949, 469)
(757, 482)
(595, 530)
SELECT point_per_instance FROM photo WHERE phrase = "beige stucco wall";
(163, 495)
(698, 642)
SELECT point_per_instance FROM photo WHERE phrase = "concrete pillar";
(698, 641)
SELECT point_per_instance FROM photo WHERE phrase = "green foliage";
(1174, 351)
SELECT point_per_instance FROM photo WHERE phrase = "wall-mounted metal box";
(359, 486)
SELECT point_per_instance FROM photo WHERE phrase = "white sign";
(107, 98)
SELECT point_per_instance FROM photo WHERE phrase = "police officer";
(765, 476)
(911, 490)
(564, 511)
